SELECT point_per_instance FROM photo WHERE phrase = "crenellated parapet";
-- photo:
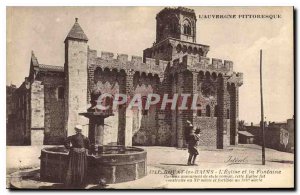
(122, 62)
(236, 78)
(195, 63)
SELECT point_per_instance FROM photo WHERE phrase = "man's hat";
(78, 128)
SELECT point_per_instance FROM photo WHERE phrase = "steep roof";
(34, 60)
(44, 67)
(76, 32)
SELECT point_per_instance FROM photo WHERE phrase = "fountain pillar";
(96, 130)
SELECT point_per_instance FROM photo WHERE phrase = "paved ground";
(22, 159)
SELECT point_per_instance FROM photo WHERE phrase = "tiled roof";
(44, 67)
(76, 32)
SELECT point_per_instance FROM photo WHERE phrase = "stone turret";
(76, 77)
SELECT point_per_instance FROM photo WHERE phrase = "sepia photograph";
(162, 97)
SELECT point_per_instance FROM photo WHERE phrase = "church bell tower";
(179, 23)
(175, 36)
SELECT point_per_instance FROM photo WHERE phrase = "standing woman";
(77, 168)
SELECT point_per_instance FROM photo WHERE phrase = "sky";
(130, 30)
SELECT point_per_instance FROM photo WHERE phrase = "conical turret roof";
(76, 32)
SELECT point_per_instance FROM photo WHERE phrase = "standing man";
(77, 169)
(192, 141)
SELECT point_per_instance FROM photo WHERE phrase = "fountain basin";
(114, 164)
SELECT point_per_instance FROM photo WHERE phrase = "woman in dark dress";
(77, 168)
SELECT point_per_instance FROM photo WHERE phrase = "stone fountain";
(113, 164)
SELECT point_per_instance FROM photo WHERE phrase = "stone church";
(46, 107)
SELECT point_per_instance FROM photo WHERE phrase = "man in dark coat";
(192, 140)
(77, 169)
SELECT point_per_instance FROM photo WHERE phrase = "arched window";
(195, 51)
(184, 49)
(60, 93)
(216, 111)
(228, 115)
(173, 27)
(178, 48)
(187, 27)
(200, 52)
(208, 111)
(189, 30)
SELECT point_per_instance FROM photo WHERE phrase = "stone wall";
(37, 113)
(208, 126)
(18, 118)
(227, 114)
(186, 75)
(76, 84)
(233, 92)
(54, 108)
(109, 82)
(37, 137)
(165, 127)
(144, 129)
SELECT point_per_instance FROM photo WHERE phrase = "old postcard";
(150, 97)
